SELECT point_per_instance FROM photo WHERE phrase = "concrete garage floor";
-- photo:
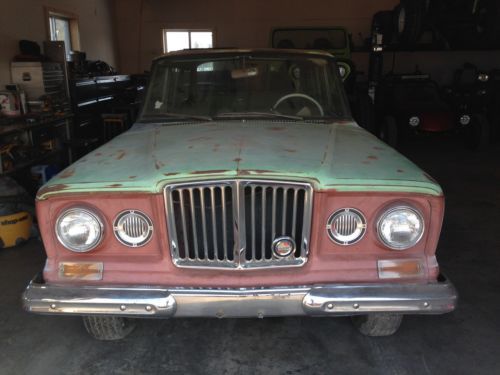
(464, 342)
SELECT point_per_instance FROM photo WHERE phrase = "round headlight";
(133, 228)
(400, 228)
(483, 77)
(464, 120)
(342, 71)
(414, 121)
(346, 226)
(79, 230)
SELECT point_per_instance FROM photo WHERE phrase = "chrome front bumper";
(314, 300)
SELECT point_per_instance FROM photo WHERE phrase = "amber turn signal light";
(80, 270)
(399, 268)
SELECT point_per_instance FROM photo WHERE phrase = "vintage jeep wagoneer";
(244, 190)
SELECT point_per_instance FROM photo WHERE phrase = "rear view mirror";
(244, 72)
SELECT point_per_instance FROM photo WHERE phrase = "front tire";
(377, 325)
(108, 328)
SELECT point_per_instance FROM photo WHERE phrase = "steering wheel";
(299, 95)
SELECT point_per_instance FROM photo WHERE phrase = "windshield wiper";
(258, 114)
(177, 116)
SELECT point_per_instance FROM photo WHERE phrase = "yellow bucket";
(15, 229)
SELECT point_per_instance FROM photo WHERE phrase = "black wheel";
(408, 17)
(389, 131)
(108, 327)
(377, 325)
(477, 137)
(364, 112)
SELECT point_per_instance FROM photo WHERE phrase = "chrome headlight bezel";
(414, 121)
(358, 231)
(117, 228)
(464, 120)
(93, 216)
(392, 210)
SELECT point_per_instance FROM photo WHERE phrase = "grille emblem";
(283, 246)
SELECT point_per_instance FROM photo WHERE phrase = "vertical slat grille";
(271, 212)
(232, 224)
(202, 227)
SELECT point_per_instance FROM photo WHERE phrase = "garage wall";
(248, 24)
(25, 19)
(236, 23)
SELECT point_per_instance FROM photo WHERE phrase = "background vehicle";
(408, 105)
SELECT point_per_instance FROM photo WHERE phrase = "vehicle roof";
(232, 51)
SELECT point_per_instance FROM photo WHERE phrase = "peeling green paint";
(339, 156)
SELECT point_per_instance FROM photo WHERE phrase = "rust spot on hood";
(120, 155)
(114, 185)
(400, 170)
(98, 154)
(170, 174)
(132, 177)
(246, 172)
(210, 171)
(52, 189)
(67, 173)
(159, 164)
(377, 148)
(277, 129)
(237, 160)
(372, 157)
(343, 122)
(289, 150)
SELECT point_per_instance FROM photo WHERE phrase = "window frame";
(74, 32)
(189, 31)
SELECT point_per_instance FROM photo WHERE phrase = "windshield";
(300, 87)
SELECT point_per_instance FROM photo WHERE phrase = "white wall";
(25, 19)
